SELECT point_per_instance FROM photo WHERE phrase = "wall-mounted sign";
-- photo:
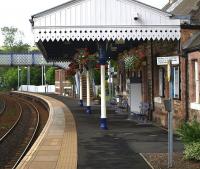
(165, 60)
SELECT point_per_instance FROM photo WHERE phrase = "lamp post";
(45, 79)
(28, 77)
(42, 75)
(18, 72)
(169, 105)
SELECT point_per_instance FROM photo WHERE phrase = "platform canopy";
(95, 20)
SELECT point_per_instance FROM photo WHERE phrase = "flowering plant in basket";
(133, 59)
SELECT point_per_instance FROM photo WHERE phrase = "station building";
(119, 30)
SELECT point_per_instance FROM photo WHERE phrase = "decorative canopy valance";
(104, 19)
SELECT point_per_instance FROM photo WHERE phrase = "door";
(136, 92)
(136, 97)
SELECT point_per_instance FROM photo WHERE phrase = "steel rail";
(33, 135)
(13, 126)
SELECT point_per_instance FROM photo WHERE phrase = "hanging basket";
(132, 62)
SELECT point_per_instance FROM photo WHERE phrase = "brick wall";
(59, 78)
(194, 114)
(167, 48)
(171, 48)
(150, 86)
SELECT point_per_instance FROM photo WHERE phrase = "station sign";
(165, 60)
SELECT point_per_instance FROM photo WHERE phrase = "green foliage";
(97, 78)
(192, 151)
(189, 132)
(23, 75)
(13, 41)
(9, 34)
(34, 49)
(114, 64)
(50, 76)
(130, 62)
(36, 76)
(11, 79)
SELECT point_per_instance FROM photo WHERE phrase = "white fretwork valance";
(104, 19)
(135, 33)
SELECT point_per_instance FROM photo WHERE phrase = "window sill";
(195, 106)
(158, 100)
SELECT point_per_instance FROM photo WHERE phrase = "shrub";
(189, 132)
(192, 151)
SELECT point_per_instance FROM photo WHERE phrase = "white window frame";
(161, 82)
(176, 82)
(196, 105)
(196, 73)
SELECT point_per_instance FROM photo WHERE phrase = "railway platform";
(72, 139)
(56, 147)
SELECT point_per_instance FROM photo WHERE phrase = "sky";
(17, 13)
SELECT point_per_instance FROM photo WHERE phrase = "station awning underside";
(60, 31)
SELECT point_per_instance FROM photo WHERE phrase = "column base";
(88, 110)
(81, 103)
(103, 123)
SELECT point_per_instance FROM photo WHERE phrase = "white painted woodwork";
(88, 87)
(103, 92)
(104, 19)
(81, 87)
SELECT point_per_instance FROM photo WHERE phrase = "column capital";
(102, 53)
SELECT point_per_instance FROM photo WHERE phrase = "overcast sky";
(17, 13)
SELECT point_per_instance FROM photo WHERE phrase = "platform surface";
(56, 147)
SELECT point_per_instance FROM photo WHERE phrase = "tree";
(36, 76)
(13, 40)
(9, 34)
(50, 76)
(11, 79)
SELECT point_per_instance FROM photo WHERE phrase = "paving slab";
(107, 149)
(56, 146)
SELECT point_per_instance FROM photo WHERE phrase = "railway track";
(17, 141)
(9, 114)
(2, 105)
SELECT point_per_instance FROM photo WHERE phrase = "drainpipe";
(152, 70)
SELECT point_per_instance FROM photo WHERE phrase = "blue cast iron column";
(102, 61)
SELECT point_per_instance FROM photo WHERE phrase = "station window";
(161, 82)
(196, 80)
(176, 82)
